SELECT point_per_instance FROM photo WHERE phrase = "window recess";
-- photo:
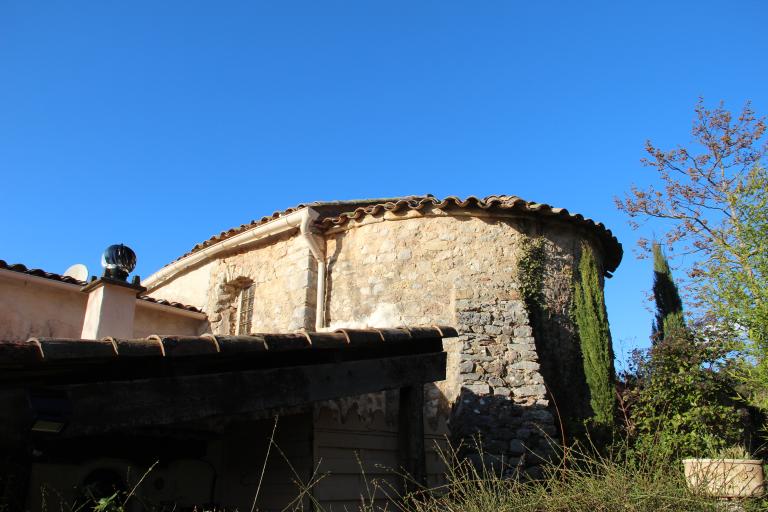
(245, 311)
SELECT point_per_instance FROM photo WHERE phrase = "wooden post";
(411, 455)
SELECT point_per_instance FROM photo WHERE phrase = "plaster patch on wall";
(384, 315)
(363, 408)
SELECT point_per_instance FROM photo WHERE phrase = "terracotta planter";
(726, 478)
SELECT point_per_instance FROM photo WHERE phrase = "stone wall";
(503, 401)
(190, 286)
(283, 274)
(462, 270)
(514, 360)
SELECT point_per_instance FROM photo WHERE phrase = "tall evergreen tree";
(669, 319)
(595, 337)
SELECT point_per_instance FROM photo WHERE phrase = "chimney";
(112, 299)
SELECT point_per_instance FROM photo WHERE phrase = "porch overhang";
(92, 387)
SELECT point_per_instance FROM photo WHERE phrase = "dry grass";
(582, 481)
(585, 481)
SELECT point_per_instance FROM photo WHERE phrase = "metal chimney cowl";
(118, 261)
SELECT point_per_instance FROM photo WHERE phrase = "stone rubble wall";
(282, 270)
(438, 267)
(462, 270)
(284, 275)
(503, 401)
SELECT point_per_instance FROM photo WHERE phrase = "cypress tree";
(669, 307)
(595, 337)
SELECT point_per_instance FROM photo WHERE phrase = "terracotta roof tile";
(18, 267)
(146, 347)
(241, 344)
(338, 213)
(428, 332)
(164, 302)
(20, 353)
(180, 346)
(321, 340)
(42, 351)
(362, 337)
(22, 269)
(612, 247)
(286, 342)
(395, 335)
(330, 208)
(63, 349)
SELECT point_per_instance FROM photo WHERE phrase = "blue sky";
(158, 124)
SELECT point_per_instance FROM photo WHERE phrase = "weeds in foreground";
(587, 481)
(590, 483)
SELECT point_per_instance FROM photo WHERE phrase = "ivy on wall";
(595, 338)
(530, 273)
(560, 360)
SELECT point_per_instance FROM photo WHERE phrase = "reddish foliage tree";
(700, 187)
(714, 200)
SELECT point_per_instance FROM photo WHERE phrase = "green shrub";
(682, 401)
(669, 307)
(595, 337)
(583, 482)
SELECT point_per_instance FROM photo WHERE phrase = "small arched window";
(245, 310)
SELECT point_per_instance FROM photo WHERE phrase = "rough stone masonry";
(511, 373)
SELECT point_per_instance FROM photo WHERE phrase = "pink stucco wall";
(33, 306)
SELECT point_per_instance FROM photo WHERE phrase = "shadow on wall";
(547, 267)
(562, 368)
(499, 434)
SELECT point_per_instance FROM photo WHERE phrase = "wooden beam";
(411, 454)
(104, 406)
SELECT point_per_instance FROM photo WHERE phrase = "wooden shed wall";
(359, 459)
(241, 456)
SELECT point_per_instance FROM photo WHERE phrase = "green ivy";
(530, 272)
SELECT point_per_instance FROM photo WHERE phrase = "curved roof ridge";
(611, 246)
(337, 213)
(338, 206)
